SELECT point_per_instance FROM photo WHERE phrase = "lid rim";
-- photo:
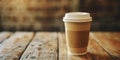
(77, 20)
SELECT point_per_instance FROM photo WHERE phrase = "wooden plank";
(12, 48)
(95, 52)
(110, 41)
(42, 47)
(4, 35)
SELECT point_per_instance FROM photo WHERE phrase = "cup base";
(77, 53)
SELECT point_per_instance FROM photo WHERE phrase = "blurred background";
(46, 15)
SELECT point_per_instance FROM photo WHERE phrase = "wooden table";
(52, 46)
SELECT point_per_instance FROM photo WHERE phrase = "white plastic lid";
(77, 17)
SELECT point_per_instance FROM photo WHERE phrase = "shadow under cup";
(77, 37)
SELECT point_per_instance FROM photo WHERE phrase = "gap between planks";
(12, 47)
(27, 45)
(42, 47)
(4, 36)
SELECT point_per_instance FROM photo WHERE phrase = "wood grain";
(52, 46)
(4, 35)
(110, 41)
(42, 47)
(95, 52)
(12, 48)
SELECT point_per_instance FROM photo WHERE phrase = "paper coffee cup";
(77, 27)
